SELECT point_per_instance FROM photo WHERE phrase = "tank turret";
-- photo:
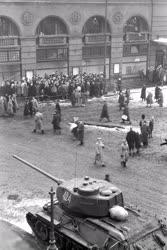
(84, 196)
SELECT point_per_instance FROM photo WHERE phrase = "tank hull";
(80, 233)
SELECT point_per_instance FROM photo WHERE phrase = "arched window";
(7, 27)
(51, 26)
(96, 24)
(52, 40)
(136, 36)
(136, 24)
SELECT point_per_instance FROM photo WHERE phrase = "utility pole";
(105, 42)
(52, 245)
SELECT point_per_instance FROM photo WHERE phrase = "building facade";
(38, 37)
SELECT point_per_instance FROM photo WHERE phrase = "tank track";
(42, 231)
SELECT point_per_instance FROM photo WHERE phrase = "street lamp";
(105, 41)
(52, 241)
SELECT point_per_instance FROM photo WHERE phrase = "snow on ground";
(14, 211)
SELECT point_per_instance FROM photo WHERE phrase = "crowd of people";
(8, 105)
(148, 97)
(76, 88)
(135, 140)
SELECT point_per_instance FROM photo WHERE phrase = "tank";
(84, 218)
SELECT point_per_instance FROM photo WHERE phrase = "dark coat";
(130, 137)
(80, 132)
(56, 121)
(143, 93)
(104, 112)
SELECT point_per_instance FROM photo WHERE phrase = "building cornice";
(61, 2)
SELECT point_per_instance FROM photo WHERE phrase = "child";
(99, 152)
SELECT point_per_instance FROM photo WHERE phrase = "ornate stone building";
(71, 36)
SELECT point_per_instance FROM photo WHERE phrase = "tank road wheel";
(41, 231)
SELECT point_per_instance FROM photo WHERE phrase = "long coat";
(143, 93)
(104, 112)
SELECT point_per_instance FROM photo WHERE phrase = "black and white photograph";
(83, 125)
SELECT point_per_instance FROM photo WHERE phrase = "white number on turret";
(67, 196)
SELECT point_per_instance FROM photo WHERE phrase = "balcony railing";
(51, 40)
(8, 41)
(96, 38)
(136, 37)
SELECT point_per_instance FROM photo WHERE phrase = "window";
(135, 50)
(10, 56)
(51, 54)
(95, 52)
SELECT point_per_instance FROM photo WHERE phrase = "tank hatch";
(88, 196)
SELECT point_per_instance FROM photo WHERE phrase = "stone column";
(75, 52)
(28, 54)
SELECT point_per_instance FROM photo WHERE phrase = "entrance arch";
(52, 45)
(9, 49)
(94, 45)
(135, 47)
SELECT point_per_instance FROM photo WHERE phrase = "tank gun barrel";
(58, 181)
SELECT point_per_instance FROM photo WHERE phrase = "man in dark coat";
(137, 139)
(121, 100)
(130, 137)
(56, 123)
(144, 134)
(157, 90)
(80, 132)
(58, 108)
(143, 93)
(104, 112)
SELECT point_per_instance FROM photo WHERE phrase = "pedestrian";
(161, 99)
(10, 107)
(124, 153)
(58, 108)
(99, 152)
(130, 138)
(104, 112)
(121, 100)
(35, 104)
(56, 123)
(149, 99)
(157, 90)
(38, 123)
(125, 115)
(143, 93)
(80, 132)
(151, 127)
(137, 139)
(144, 134)
(107, 178)
(142, 121)
(127, 95)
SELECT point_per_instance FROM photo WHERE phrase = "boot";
(42, 132)
(34, 131)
